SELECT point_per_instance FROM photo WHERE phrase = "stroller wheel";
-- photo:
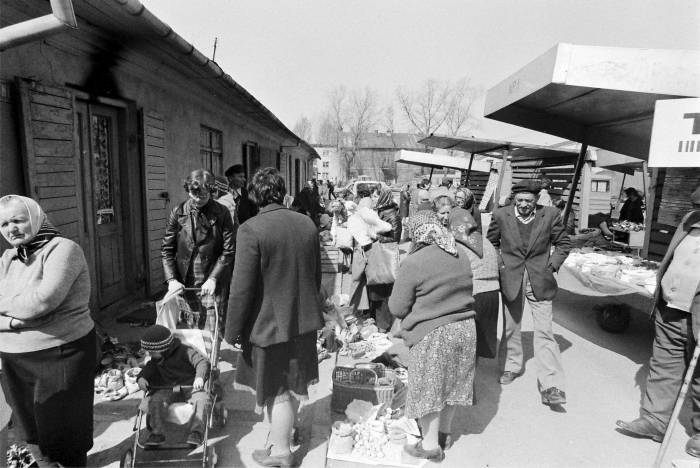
(127, 460)
(211, 458)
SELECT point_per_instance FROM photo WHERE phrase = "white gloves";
(209, 286)
(175, 287)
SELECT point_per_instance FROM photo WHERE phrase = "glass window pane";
(101, 168)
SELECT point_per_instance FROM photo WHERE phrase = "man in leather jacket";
(199, 244)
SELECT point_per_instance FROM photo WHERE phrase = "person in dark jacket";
(632, 207)
(199, 246)
(275, 292)
(525, 234)
(305, 202)
(173, 363)
(404, 201)
(378, 294)
(238, 194)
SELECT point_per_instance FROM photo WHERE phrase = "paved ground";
(508, 426)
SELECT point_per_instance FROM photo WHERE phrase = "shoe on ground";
(417, 451)
(692, 447)
(642, 427)
(194, 439)
(445, 440)
(553, 396)
(265, 458)
(508, 377)
(154, 440)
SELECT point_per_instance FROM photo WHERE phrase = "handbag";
(382, 263)
(343, 238)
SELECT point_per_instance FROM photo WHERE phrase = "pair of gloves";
(176, 287)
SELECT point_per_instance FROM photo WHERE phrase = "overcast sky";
(289, 54)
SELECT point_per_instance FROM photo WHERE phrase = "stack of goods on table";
(615, 266)
(373, 434)
(627, 226)
(119, 366)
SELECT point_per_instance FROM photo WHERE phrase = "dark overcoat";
(276, 279)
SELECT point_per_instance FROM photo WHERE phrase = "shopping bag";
(359, 263)
(343, 238)
(382, 263)
(168, 310)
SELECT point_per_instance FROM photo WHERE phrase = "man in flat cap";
(677, 324)
(525, 233)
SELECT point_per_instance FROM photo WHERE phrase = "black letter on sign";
(696, 121)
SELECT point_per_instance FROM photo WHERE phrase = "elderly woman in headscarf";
(433, 297)
(47, 338)
(464, 200)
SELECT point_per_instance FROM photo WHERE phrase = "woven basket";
(353, 383)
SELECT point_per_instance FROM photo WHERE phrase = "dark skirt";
(486, 308)
(51, 395)
(273, 371)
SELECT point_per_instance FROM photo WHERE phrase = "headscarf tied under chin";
(41, 229)
(385, 199)
(425, 229)
(464, 229)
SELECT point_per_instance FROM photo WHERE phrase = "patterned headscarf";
(385, 198)
(464, 228)
(425, 229)
(41, 230)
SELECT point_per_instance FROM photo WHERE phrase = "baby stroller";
(184, 321)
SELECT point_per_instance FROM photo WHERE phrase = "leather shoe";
(264, 458)
(692, 447)
(641, 427)
(553, 396)
(417, 451)
(508, 377)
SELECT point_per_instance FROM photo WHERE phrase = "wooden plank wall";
(156, 205)
(560, 175)
(51, 164)
(671, 203)
(477, 184)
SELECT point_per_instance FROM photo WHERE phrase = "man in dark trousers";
(677, 325)
(525, 233)
(238, 196)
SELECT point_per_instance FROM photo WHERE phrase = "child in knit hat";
(173, 363)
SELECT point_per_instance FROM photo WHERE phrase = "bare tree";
(303, 128)
(362, 116)
(437, 105)
(388, 118)
(327, 133)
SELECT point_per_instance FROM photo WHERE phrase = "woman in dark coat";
(379, 293)
(199, 246)
(275, 293)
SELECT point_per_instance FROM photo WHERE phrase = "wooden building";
(101, 124)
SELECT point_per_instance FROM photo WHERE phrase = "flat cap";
(527, 185)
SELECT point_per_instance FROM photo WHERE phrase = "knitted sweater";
(432, 288)
(53, 288)
(485, 269)
(180, 365)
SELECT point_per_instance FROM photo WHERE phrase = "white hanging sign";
(675, 134)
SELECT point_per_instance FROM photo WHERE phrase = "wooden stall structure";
(605, 97)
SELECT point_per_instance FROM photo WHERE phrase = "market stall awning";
(602, 96)
(516, 151)
(618, 162)
(439, 161)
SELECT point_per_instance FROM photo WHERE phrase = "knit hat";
(157, 339)
(527, 185)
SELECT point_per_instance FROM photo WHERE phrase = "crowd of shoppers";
(442, 301)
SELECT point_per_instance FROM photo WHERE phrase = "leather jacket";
(215, 243)
(390, 214)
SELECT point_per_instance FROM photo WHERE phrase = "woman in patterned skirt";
(433, 297)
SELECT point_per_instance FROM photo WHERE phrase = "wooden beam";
(469, 169)
(501, 174)
(650, 201)
(574, 181)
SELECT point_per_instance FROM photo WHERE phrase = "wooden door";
(99, 140)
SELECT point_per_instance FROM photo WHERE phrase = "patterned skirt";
(441, 369)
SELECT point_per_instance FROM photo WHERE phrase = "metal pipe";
(62, 17)
(469, 170)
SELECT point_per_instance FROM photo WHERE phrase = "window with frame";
(326, 163)
(602, 186)
(211, 149)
